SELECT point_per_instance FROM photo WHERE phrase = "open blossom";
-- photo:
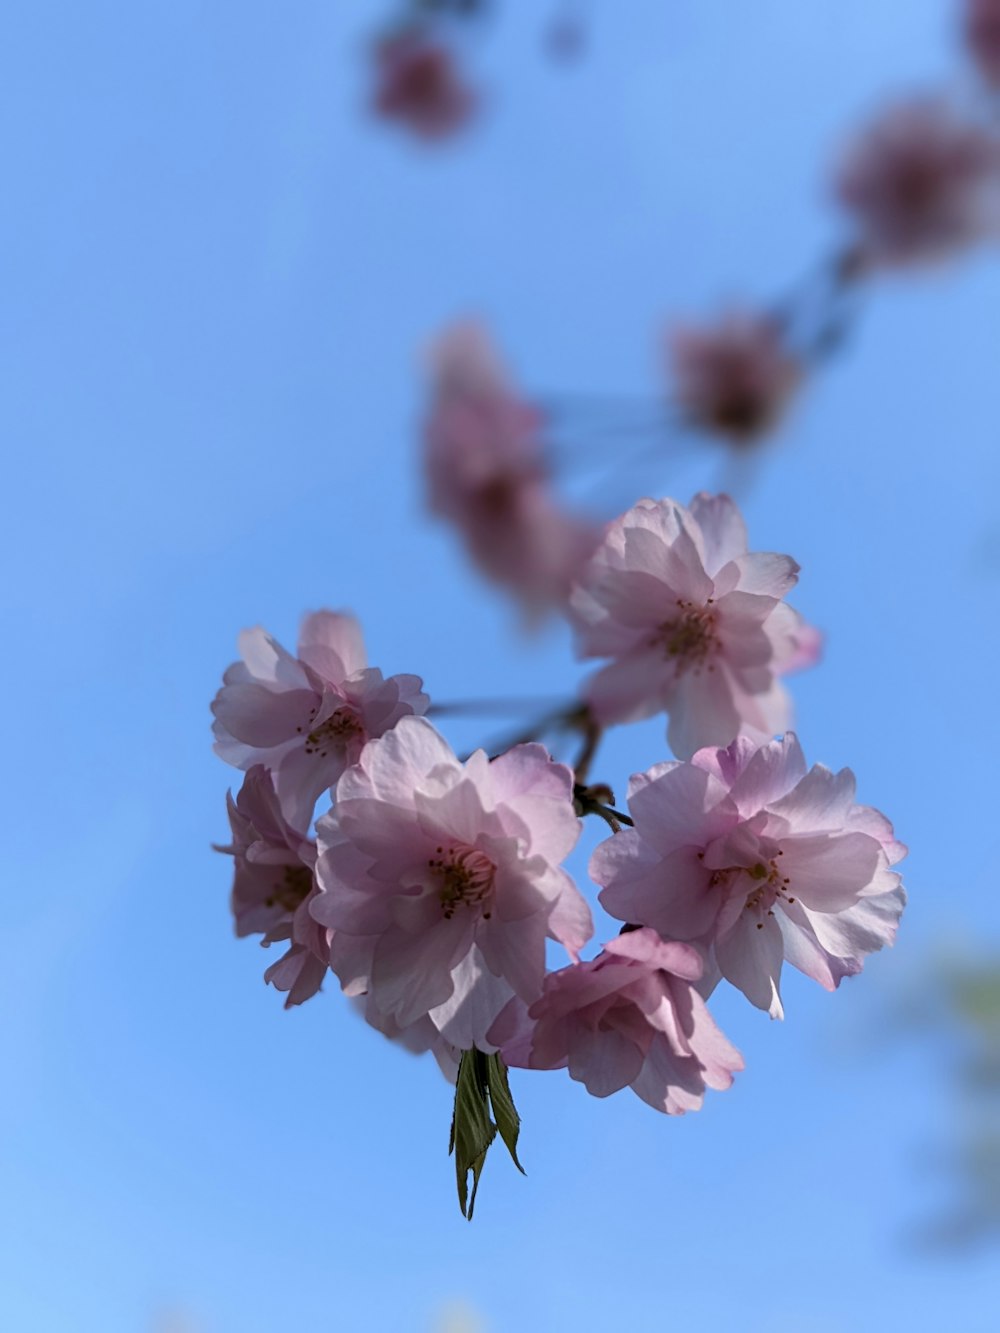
(734, 378)
(306, 718)
(487, 475)
(758, 861)
(921, 182)
(418, 83)
(982, 37)
(694, 622)
(441, 880)
(273, 884)
(631, 1018)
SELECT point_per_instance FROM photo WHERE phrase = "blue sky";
(218, 279)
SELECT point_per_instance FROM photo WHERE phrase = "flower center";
(690, 638)
(292, 889)
(465, 877)
(768, 885)
(341, 727)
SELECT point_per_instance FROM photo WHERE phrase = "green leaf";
(481, 1084)
(472, 1130)
(507, 1119)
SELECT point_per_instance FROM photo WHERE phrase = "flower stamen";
(339, 729)
(466, 878)
(690, 638)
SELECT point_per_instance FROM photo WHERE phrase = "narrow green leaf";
(472, 1130)
(504, 1111)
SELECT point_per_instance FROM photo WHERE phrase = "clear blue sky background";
(217, 279)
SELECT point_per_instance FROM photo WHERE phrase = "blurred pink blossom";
(487, 475)
(631, 1018)
(982, 36)
(307, 718)
(745, 852)
(273, 884)
(920, 182)
(418, 83)
(695, 624)
(734, 378)
(441, 880)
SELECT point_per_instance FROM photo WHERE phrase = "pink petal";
(331, 642)
(751, 958)
(604, 1061)
(411, 974)
(263, 717)
(723, 532)
(683, 806)
(829, 871)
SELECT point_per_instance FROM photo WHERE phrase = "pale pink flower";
(982, 37)
(273, 884)
(631, 1018)
(759, 861)
(442, 880)
(695, 624)
(487, 475)
(307, 718)
(419, 84)
(920, 182)
(734, 378)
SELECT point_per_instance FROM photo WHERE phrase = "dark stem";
(598, 800)
(592, 733)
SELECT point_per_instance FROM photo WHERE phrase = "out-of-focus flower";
(631, 1018)
(982, 37)
(695, 624)
(441, 880)
(307, 718)
(418, 83)
(758, 860)
(273, 884)
(734, 378)
(920, 182)
(486, 475)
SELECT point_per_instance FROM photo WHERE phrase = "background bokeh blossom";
(219, 273)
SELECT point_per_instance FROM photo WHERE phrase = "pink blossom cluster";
(434, 886)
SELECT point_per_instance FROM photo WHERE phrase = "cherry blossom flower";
(487, 476)
(307, 718)
(921, 183)
(734, 378)
(695, 624)
(631, 1018)
(273, 885)
(982, 37)
(418, 84)
(441, 880)
(759, 861)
